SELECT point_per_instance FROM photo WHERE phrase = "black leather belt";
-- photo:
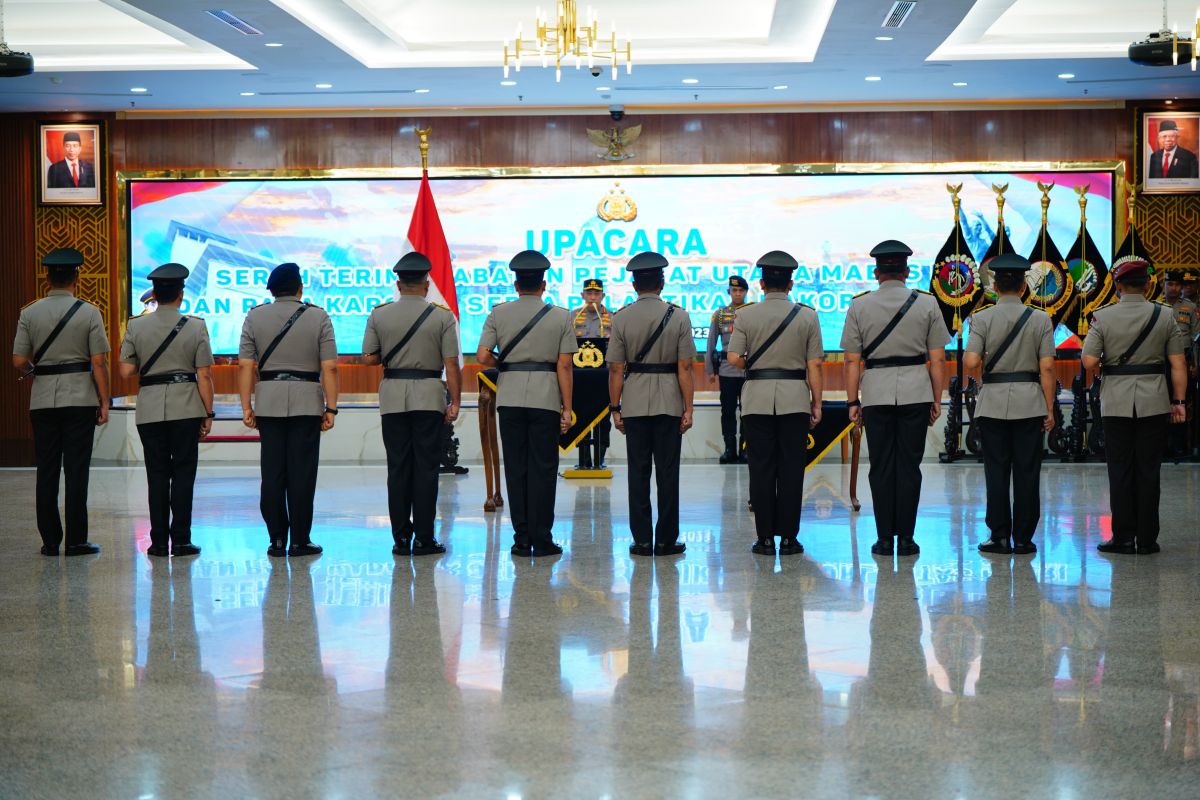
(777, 375)
(289, 375)
(651, 369)
(63, 369)
(1134, 369)
(897, 361)
(1011, 377)
(411, 374)
(168, 378)
(527, 366)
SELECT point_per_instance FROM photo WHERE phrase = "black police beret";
(63, 258)
(413, 263)
(281, 274)
(644, 261)
(529, 261)
(738, 282)
(169, 272)
(147, 296)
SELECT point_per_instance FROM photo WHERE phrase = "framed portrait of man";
(1168, 147)
(71, 163)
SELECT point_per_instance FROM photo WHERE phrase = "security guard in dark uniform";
(533, 398)
(650, 388)
(729, 377)
(778, 343)
(1014, 344)
(894, 339)
(61, 344)
(172, 357)
(1127, 340)
(289, 345)
(416, 341)
(593, 321)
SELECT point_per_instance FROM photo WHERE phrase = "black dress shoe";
(521, 550)
(906, 547)
(883, 547)
(85, 549)
(277, 550)
(430, 548)
(763, 547)
(185, 549)
(1024, 548)
(790, 547)
(304, 549)
(402, 548)
(641, 550)
(1118, 548)
(158, 551)
(550, 549)
(47, 550)
(1148, 549)
(997, 546)
(669, 549)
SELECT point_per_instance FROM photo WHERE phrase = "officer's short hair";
(649, 280)
(530, 281)
(167, 291)
(1135, 282)
(412, 279)
(1009, 280)
(61, 276)
(776, 278)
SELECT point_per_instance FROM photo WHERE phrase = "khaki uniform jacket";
(921, 330)
(434, 342)
(307, 344)
(648, 395)
(553, 335)
(82, 338)
(1187, 317)
(1113, 329)
(799, 343)
(189, 351)
(722, 325)
(590, 325)
(989, 328)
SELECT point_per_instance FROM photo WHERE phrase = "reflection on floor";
(718, 674)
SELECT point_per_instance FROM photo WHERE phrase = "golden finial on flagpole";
(1082, 191)
(954, 190)
(1000, 190)
(423, 134)
(1132, 192)
(1045, 190)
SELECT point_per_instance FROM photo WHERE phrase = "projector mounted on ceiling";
(12, 64)
(1166, 48)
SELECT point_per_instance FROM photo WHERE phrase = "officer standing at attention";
(729, 377)
(593, 321)
(61, 343)
(1014, 344)
(415, 340)
(778, 343)
(533, 398)
(1187, 317)
(652, 344)
(289, 344)
(172, 356)
(1127, 340)
(895, 340)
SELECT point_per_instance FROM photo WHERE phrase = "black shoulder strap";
(1142, 335)
(654, 337)
(62, 323)
(400, 345)
(891, 326)
(1008, 341)
(791, 315)
(162, 348)
(521, 334)
(287, 326)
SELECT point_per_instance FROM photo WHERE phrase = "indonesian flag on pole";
(425, 236)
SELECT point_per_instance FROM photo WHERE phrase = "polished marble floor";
(717, 674)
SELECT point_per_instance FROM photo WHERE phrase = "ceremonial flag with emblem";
(1051, 287)
(1132, 249)
(1093, 285)
(955, 279)
(425, 235)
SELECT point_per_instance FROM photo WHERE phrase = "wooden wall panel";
(17, 274)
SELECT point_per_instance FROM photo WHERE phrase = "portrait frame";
(1147, 152)
(54, 176)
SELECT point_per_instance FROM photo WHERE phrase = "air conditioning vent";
(237, 23)
(899, 13)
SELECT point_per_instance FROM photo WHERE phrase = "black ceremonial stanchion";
(954, 418)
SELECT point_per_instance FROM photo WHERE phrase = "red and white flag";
(425, 236)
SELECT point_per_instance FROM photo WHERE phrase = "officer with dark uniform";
(1191, 285)
(593, 321)
(729, 377)
(416, 341)
(650, 388)
(533, 398)
(895, 340)
(289, 345)
(778, 343)
(1127, 340)
(61, 344)
(1014, 344)
(172, 357)
(1187, 317)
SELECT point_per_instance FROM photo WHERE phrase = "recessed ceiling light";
(960, 83)
(508, 83)
(324, 86)
(1066, 76)
(780, 87)
(690, 81)
(139, 89)
(883, 38)
(273, 44)
(603, 88)
(873, 78)
(247, 94)
(421, 91)
(1169, 102)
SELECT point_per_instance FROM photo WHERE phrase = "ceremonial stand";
(489, 439)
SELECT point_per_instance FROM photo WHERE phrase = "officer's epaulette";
(444, 308)
(860, 294)
(31, 302)
(388, 303)
(806, 305)
(923, 291)
(195, 317)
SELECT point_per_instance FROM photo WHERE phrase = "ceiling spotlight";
(780, 87)
(324, 86)
(1066, 76)
(247, 94)
(273, 44)
(508, 83)
(691, 81)
(873, 78)
(1169, 102)
(960, 83)
(883, 38)
(139, 89)
(421, 91)
(603, 88)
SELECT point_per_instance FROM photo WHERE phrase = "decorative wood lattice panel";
(1170, 227)
(84, 228)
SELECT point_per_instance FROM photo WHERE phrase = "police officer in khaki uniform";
(730, 378)
(593, 321)
(1015, 346)
(778, 343)
(61, 344)
(172, 356)
(289, 345)
(1127, 340)
(416, 341)
(895, 340)
(533, 397)
(1187, 317)
(650, 388)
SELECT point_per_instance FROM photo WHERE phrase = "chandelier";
(568, 37)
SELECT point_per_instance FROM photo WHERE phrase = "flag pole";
(953, 433)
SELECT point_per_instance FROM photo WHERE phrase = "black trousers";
(62, 443)
(172, 453)
(529, 437)
(777, 448)
(1012, 457)
(731, 398)
(653, 443)
(1133, 449)
(896, 440)
(412, 442)
(291, 448)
